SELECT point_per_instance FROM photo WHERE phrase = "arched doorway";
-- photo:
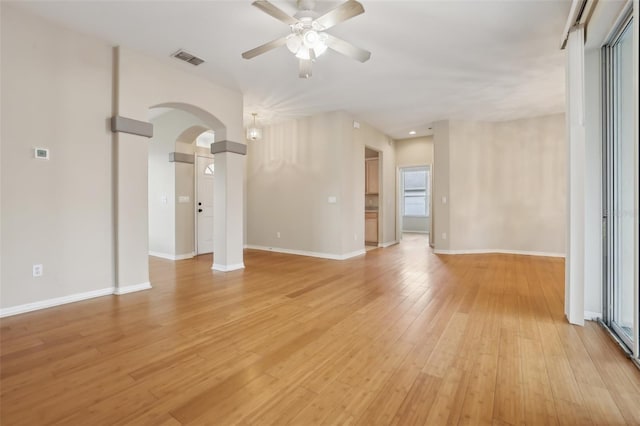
(180, 184)
(142, 83)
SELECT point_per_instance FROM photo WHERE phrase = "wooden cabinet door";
(371, 172)
(371, 228)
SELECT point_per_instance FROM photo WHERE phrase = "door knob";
(199, 210)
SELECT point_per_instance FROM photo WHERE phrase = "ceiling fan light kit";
(308, 39)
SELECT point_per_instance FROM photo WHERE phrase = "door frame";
(400, 197)
(609, 143)
(380, 192)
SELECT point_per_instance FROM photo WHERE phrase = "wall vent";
(188, 57)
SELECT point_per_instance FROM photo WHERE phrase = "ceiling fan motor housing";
(308, 39)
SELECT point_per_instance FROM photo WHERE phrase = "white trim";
(579, 13)
(388, 244)
(172, 256)
(186, 256)
(227, 268)
(620, 20)
(592, 316)
(500, 251)
(49, 303)
(576, 6)
(131, 288)
(576, 172)
(353, 254)
(308, 253)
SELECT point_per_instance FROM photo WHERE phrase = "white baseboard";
(131, 288)
(185, 256)
(500, 251)
(49, 303)
(309, 253)
(387, 244)
(592, 316)
(57, 301)
(227, 268)
(353, 254)
(172, 256)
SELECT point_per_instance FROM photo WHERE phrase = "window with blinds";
(415, 183)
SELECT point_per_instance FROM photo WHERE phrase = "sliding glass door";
(620, 210)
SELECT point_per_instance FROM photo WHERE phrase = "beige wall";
(440, 188)
(414, 151)
(293, 170)
(506, 186)
(145, 82)
(56, 93)
(87, 206)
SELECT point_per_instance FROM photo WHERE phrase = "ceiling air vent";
(188, 57)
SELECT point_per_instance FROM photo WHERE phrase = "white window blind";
(415, 191)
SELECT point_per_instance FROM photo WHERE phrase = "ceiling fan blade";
(347, 48)
(274, 44)
(345, 11)
(304, 65)
(276, 12)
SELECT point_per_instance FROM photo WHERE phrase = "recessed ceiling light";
(413, 132)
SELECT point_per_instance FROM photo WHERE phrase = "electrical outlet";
(444, 235)
(278, 234)
(355, 236)
(38, 270)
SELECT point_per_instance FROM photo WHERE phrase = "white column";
(576, 159)
(228, 205)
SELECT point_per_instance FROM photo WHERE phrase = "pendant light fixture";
(254, 133)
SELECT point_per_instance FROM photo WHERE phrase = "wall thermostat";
(41, 153)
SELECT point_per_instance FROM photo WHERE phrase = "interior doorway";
(372, 198)
(414, 199)
(180, 183)
(204, 176)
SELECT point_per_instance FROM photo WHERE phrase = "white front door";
(204, 204)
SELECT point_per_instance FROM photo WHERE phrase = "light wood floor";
(398, 336)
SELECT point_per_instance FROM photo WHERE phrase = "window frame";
(426, 196)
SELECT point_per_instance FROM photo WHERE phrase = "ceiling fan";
(308, 38)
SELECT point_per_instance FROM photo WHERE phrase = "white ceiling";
(431, 60)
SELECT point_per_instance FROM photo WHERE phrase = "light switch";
(184, 199)
(444, 199)
(164, 199)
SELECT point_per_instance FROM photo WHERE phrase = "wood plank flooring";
(397, 336)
